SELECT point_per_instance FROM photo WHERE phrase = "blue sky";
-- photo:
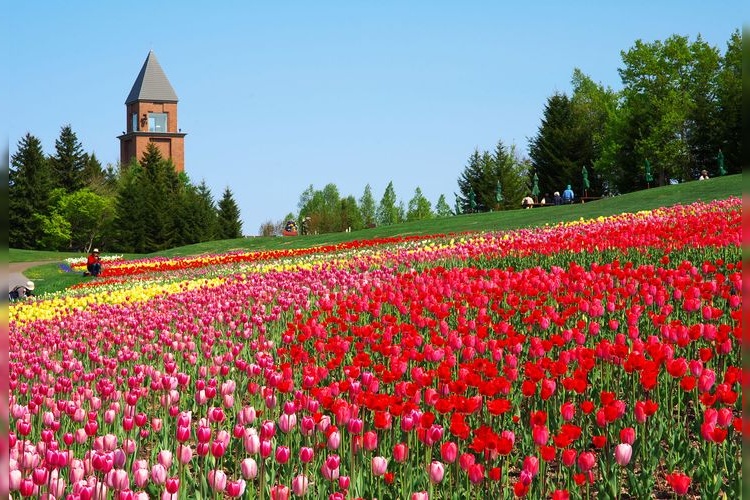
(275, 96)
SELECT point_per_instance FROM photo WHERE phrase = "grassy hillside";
(717, 188)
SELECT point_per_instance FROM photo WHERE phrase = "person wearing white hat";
(93, 264)
(22, 291)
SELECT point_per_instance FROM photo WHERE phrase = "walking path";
(16, 270)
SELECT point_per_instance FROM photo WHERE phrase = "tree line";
(326, 210)
(67, 201)
(677, 114)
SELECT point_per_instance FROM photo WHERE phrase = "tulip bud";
(623, 453)
(436, 471)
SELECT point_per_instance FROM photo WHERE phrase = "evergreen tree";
(29, 186)
(367, 207)
(478, 180)
(132, 215)
(469, 183)
(69, 162)
(229, 223)
(195, 219)
(94, 177)
(557, 151)
(161, 185)
(420, 207)
(442, 209)
(387, 212)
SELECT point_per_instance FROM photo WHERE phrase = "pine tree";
(29, 186)
(420, 207)
(228, 221)
(469, 183)
(442, 209)
(161, 184)
(132, 215)
(367, 207)
(69, 161)
(556, 149)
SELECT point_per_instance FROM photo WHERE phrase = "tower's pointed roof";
(152, 84)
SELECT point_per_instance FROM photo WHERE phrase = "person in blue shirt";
(568, 195)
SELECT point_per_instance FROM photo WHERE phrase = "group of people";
(566, 198)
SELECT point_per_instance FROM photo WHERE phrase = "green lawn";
(49, 277)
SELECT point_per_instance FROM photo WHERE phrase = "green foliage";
(367, 207)
(442, 209)
(481, 176)
(351, 216)
(388, 212)
(670, 110)
(559, 150)
(420, 207)
(55, 231)
(29, 186)
(512, 175)
(729, 102)
(88, 215)
(229, 223)
(131, 212)
(69, 162)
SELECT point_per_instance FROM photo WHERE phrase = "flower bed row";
(443, 368)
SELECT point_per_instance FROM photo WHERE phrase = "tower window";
(135, 123)
(157, 122)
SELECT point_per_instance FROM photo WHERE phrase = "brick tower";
(151, 117)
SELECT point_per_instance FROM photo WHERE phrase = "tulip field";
(594, 359)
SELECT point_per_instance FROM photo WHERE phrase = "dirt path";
(16, 270)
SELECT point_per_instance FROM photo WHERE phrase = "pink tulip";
(379, 466)
(184, 454)
(623, 453)
(540, 434)
(158, 474)
(436, 471)
(420, 495)
(300, 484)
(217, 479)
(165, 458)
(282, 454)
(334, 440)
(344, 482)
(305, 454)
(287, 422)
(249, 468)
(236, 489)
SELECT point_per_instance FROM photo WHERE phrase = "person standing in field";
(568, 195)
